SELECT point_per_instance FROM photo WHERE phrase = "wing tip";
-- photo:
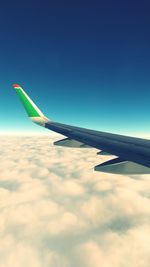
(15, 85)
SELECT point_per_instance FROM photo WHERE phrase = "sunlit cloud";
(56, 211)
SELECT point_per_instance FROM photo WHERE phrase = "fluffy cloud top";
(56, 211)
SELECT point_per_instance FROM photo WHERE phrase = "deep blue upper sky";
(85, 63)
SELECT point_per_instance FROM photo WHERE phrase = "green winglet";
(31, 109)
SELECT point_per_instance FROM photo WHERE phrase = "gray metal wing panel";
(128, 148)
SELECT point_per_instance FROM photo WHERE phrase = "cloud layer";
(56, 211)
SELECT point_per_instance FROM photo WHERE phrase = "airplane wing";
(132, 154)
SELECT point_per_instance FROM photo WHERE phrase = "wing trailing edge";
(103, 153)
(67, 142)
(120, 166)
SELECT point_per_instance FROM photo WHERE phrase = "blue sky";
(85, 63)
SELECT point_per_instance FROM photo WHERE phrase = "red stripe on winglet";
(16, 85)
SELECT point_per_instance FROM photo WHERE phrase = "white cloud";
(113, 249)
(56, 211)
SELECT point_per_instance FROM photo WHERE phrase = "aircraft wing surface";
(132, 154)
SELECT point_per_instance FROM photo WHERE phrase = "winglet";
(32, 110)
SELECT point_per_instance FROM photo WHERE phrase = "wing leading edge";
(133, 154)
